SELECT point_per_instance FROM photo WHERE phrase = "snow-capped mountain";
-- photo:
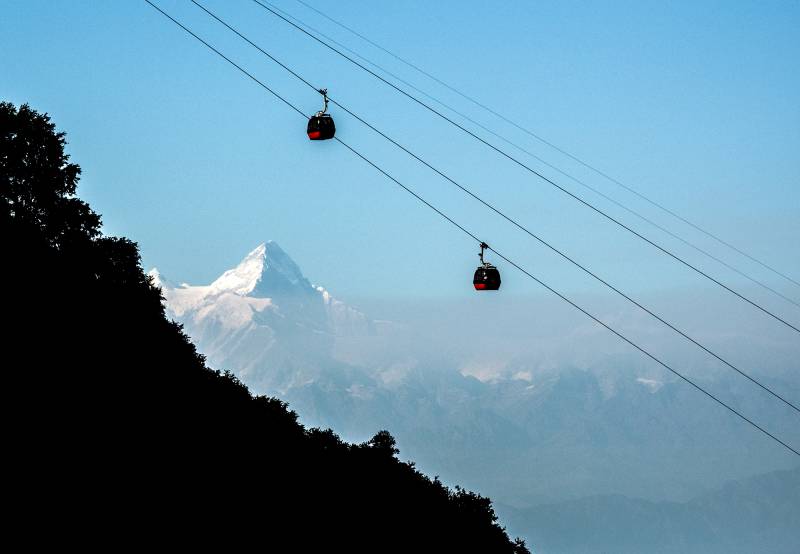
(264, 320)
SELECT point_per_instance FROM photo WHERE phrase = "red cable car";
(487, 277)
(320, 125)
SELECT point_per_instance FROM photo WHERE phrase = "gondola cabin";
(321, 127)
(487, 277)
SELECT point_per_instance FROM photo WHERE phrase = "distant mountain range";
(760, 514)
(561, 446)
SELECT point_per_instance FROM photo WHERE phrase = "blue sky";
(693, 103)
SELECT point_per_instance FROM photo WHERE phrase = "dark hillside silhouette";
(118, 434)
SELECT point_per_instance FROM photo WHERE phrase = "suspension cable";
(474, 237)
(499, 212)
(535, 136)
(536, 173)
(541, 160)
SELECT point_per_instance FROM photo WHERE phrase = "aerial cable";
(538, 158)
(500, 213)
(536, 173)
(475, 237)
(642, 350)
(537, 137)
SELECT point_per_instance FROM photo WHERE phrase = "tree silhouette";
(118, 433)
(384, 442)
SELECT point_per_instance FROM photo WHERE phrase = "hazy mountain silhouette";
(525, 434)
(759, 514)
(118, 433)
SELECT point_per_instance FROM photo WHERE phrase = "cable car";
(487, 277)
(320, 125)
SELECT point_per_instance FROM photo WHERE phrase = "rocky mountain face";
(264, 321)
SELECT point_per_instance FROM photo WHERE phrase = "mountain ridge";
(570, 426)
(757, 514)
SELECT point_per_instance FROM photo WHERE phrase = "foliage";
(121, 435)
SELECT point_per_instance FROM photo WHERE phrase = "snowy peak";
(156, 276)
(281, 275)
(243, 278)
(266, 280)
(159, 280)
(265, 271)
(265, 320)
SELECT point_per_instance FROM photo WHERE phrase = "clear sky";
(696, 104)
